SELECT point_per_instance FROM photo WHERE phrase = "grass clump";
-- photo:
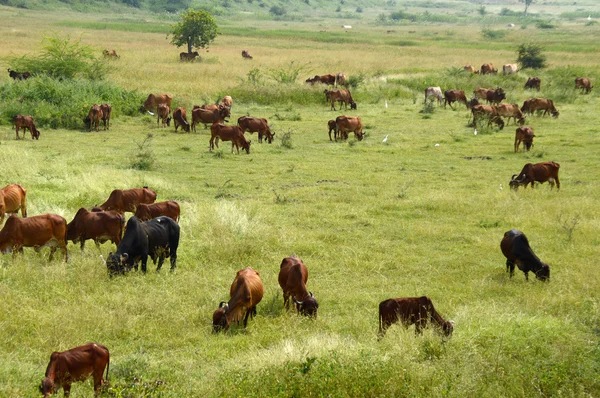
(144, 158)
(493, 34)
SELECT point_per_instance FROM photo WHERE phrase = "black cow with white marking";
(516, 249)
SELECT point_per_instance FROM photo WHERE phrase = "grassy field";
(371, 220)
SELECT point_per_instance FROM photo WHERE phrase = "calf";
(486, 112)
(539, 172)
(516, 249)
(254, 124)
(245, 293)
(93, 118)
(524, 134)
(99, 226)
(180, 119)
(533, 82)
(227, 101)
(210, 114)
(434, 92)
(37, 232)
(293, 275)
(411, 310)
(235, 134)
(106, 113)
(511, 110)
(451, 96)
(584, 84)
(532, 105)
(76, 364)
(26, 122)
(346, 124)
(246, 54)
(163, 111)
(12, 199)
(332, 127)
(341, 96)
(488, 69)
(169, 209)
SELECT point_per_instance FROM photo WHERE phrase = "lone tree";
(196, 29)
(527, 4)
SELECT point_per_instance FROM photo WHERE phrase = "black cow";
(516, 249)
(157, 238)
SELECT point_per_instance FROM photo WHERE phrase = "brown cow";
(488, 69)
(471, 69)
(584, 84)
(123, 200)
(12, 199)
(253, 125)
(227, 101)
(325, 79)
(540, 172)
(106, 113)
(76, 364)
(451, 96)
(516, 249)
(245, 293)
(154, 100)
(341, 96)
(346, 124)
(491, 96)
(37, 232)
(511, 110)
(147, 212)
(213, 114)
(533, 82)
(110, 54)
(26, 122)
(246, 54)
(411, 310)
(188, 56)
(180, 119)
(94, 116)
(524, 134)
(235, 134)
(532, 105)
(163, 111)
(489, 112)
(293, 275)
(101, 226)
(332, 127)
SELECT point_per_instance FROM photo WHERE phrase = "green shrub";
(530, 56)
(545, 25)
(289, 74)
(493, 34)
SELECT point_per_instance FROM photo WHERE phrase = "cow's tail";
(350, 95)
(107, 368)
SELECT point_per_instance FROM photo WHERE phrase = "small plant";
(218, 154)
(351, 143)
(404, 190)
(280, 199)
(286, 140)
(355, 80)
(144, 158)
(568, 226)
(481, 10)
(359, 9)
(530, 56)
(493, 34)
(278, 11)
(591, 23)
(305, 366)
(254, 76)
(221, 191)
(545, 25)
(289, 75)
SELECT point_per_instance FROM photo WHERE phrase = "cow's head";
(117, 264)
(515, 183)
(35, 134)
(352, 105)
(169, 121)
(308, 306)
(246, 146)
(220, 321)
(521, 120)
(543, 273)
(448, 328)
(47, 387)
(555, 113)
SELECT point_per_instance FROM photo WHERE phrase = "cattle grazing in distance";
(245, 293)
(157, 238)
(254, 124)
(434, 93)
(293, 276)
(341, 96)
(471, 69)
(188, 56)
(489, 112)
(209, 115)
(492, 97)
(584, 84)
(539, 172)
(325, 79)
(511, 110)
(180, 119)
(76, 364)
(101, 226)
(533, 82)
(170, 209)
(488, 69)
(235, 134)
(123, 200)
(110, 54)
(524, 134)
(12, 199)
(93, 118)
(154, 100)
(341, 80)
(18, 75)
(26, 122)
(516, 249)
(411, 310)
(472, 102)
(163, 111)
(246, 54)
(532, 105)
(451, 96)
(346, 124)
(106, 113)
(37, 232)
(332, 127)
(509, 69)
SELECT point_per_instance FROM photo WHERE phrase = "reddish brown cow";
(332, 127)
(180, 119)
(540, 104)
(341, 96)
(489, 112)
(110, 54)
(163, 111)
(213, 114)
(123, 200)
(188, 56)
(451, 96)
(511, 110)
(584, 84)
(12, 199)
(245, 293)
(325, 79)
(470, 69)
(37, 232)
(154, 100)
(26, 122)
(253, 125)
(488, 69)
(100, 226)
(94, 116)
(533, 82)
(411, 310)
(76, 364)
(146, 212)
(524, 134)
(516, 249)
(235, 134)
(106, 113)
(246, 54)
(293, 275)
(491, 96)
(346, 124)
(539, 172)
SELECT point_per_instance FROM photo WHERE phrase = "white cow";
(509, 69)
(435, 92)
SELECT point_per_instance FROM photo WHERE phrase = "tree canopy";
(196, 29)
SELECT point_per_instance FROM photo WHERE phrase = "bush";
(493, 34)
(505, 12)
(277, 11)
(143, 158)
(545, 25)
(288, 75)
(530, 56)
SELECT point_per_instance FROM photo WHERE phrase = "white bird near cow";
(385, 139)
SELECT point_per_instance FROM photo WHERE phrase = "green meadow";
(420, 214)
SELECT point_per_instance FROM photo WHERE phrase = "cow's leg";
(173, 258)
(98, 381)
(52, 250)
(82, 243)
(161, 260)
(526, 275)
(557, 183)
(510, 267)
(286, 300)
(144, 263)
(67, 388)
(248, 311)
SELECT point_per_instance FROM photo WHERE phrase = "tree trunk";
(526, 6)
(190, 42)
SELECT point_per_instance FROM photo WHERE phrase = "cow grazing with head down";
(488, 69)
(110, 54)
(246, 54)
(157, 238)
(235, 134)
(470, 69)
(516, 249)
(341, 96)
(209, 115)
(489, 112)
(101, 226)
(533, 82)
(123, 200)
(18, 75)
(451, 96)
(180, 119)
(37, 232)
(170, 209)
(511, 110)
(293, 276)
(12, 199)
(584, 84)
(188, 56)
(332, 127)
(533, 105)
(524, 134)
(325, 79)
(106, 113)
(26, 122)
(154, 100)
(539, 172)
(254, 124)
(93, 118)
(76, 364)
(163, 111)
(509, 69)
(493, 97)
(434, 93)
(411, 310)
(245, 293)
(347, 124)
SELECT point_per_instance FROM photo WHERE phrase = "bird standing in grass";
(385, 139)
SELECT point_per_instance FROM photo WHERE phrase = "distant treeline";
(89, 5)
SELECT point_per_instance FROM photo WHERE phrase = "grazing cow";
(253, 125)
(486, 112)
(227, 101)
(524, 134)
(157, 238)
(488, 69)
(451, 96)
(180, 119)
(210, 115)
(163, 111)
(332, 127)
(12, 199)
(539, 172)
(511, 110)
(154, 100)
(235, 134)
(293, 275)
(110, 54)
(76, 364)
(346, 124)
(101, 226)
(509, 69)
(325, 79)
(411, 310)
(584, 84)
(491, 96)
(341, 80)
(533, 82)
(434, 92)
(128, 199)
(170, 209)
(188, 56)
(516, 249)
(531, 105)
(341, 96)
(26, 122)
(37, 232)
(245, 293)
(94, 116)
(18, 75)
(471, 69)
(106, 113)
(472, 102)
(246, 54)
